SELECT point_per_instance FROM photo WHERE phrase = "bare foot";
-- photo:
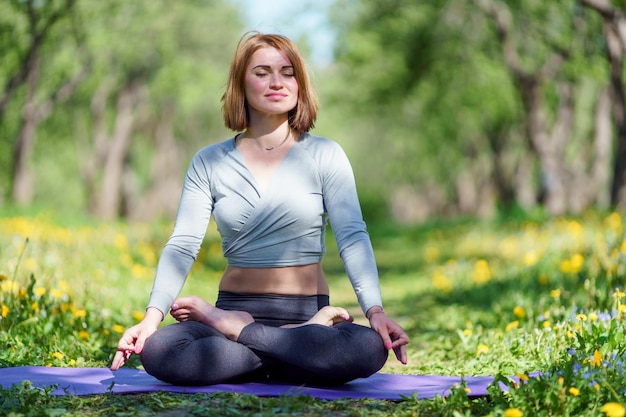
(326, 316)
(194, 308)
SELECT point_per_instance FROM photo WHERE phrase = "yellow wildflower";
(597, 359)
(512, 325)
(555, 293)
(574, 391)
(57, 355)
(442, 282)
(83, 334)
(56, 293)
(560, 380)
(121, 242)
(581, 317)
(35, 307)
(481, 272)
(543, 279)
(513, 412)
(613, 409)
(78, 313)
(530, 258)
(39, 291)
(618, 293)
(522, 377)
(118, 328)
(138, 315)
(482, 349)
(5, 311)
(519, 312)
(593, 316)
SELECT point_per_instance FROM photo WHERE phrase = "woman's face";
(270, 84)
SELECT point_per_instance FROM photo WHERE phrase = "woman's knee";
(371, 349)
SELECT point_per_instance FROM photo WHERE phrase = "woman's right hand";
(133, 339)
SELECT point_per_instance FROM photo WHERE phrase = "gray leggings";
(192, 353)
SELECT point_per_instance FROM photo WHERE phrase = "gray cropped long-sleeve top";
(283, 225)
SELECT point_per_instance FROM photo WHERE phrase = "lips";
(275, 96)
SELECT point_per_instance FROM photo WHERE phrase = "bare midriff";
(290, 280)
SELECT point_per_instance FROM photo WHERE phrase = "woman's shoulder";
(215, 151)
(318, 144)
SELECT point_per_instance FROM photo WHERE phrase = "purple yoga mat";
(85, 381)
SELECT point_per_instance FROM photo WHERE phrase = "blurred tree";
(477, 103)
(614, 24)
(156, 71)
(543, 46)
(43, 24)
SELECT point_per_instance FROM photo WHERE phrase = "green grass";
(500, 298)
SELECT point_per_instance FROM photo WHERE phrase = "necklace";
(271, 148)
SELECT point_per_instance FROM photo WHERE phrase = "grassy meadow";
(502, 298)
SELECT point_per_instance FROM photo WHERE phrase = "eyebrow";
(263, 66)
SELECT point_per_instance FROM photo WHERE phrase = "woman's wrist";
(153, 315)
(374, 310)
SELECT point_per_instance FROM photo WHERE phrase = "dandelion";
(555, 293)
(442, 282)
(530, 258)
(577, 262)
(613, 409)
(118, 328)
(79, 313)
(513, 412)
(519, 312)
(596, 360)
(57, 355)
(512, 325)
(39, 291)
(83, 334)
(581, 317)
(482, 349)
(618, 294)
(56, 293)
(467, 332)
(5, 311)
(481, 273)
(138, 315)
(574, 391)
(522, 377)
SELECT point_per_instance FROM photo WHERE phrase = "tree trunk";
(22, 187)
(548, 144)
(105, 170)
(165, 183)
(615, 35)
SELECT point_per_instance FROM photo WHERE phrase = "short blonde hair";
(235, 108)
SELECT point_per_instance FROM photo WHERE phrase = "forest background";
(445, 107)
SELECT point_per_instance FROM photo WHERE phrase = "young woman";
(271, 190)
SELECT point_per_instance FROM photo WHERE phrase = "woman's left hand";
(392, 334)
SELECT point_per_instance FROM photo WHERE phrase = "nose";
(276, 81)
